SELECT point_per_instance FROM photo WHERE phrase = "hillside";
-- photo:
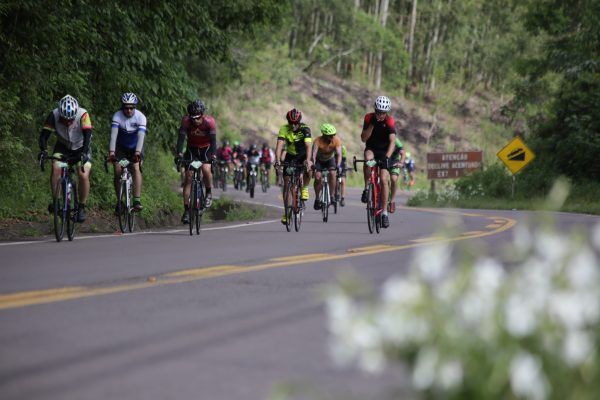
(454, 122)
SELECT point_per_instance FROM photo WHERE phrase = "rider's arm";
(181, 137)
(141, 134)
(313, 153)
(367, 128)
(279, 149)
(46, 131)
(391, 146)
(86, 129)
(338, 155)
(114, 132)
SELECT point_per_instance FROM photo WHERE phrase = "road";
(235, 313)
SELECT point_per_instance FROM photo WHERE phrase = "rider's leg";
(207, 177)
(394, 186)
(117, 178)
(331, 183)
(137, 180)
(385, 190)
(54, 179)
(318, 185)
(366, 173)
(84, 183)
(187, 187)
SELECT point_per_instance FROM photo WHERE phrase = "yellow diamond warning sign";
(516, 155)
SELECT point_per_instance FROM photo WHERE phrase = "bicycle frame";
(64, 197)
(374, 200)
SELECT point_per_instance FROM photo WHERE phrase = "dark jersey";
(380, 137)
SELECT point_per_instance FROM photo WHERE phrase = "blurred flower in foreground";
(523, 326)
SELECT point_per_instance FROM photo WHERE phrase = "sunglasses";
(196, 117)
(129, 108)
(380, 113)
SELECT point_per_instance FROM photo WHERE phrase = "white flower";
(488, 275)
(577, 347)
(372, 360)
(424, 372)
(551, 246)
(527, 378)
(570, 308)
(522, 238)
(402, 291)
(519, 317)
(583, 270)
(400, 326)
(433, 260)
(341, 310)
(450, 374)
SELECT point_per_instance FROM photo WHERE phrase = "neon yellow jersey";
(295, 141)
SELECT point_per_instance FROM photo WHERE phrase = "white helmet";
(68, 107)
(129, 98)
(383, 103)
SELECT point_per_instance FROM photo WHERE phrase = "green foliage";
(493, 181)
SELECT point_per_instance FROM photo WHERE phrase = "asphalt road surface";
(235, 313)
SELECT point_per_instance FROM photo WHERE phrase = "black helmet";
(265, 145)
(253, 146)
(225, 142)
(196, 107)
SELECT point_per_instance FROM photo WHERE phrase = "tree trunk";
(411, 40)
(383, 8)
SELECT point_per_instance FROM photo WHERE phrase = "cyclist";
(343, 175)
(266, 156)
(252, 157)
(296, 137)
(326, 154)
(201, 132)
(409, 164)
(225, 154)
(127, 134)
(73, 129)
(379, 135)
(398, 160)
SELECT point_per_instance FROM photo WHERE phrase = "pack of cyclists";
(198, 133)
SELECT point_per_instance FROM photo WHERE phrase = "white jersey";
(128, 132)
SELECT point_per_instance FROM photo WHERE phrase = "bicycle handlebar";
(68, 160)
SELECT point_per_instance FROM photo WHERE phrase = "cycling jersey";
(397, 150)
(225, 154)
(380, 137)
(325, 150)
(128, 132)
(253, 156)
(266, 156)
(198, 135)
(409, 164)
(295, 141)
(71, 136)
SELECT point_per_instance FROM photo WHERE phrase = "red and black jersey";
(380, 137)
(198, 135)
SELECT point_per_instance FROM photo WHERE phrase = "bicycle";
(197, 195)
(292, 198)
(264, 178)
(125, 210)
(238, 177)
(222, 173)
(64, 197)
(251, 179)
(374, 206)
(325, 195)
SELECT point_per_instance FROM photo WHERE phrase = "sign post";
(452, 165)
(515, 155)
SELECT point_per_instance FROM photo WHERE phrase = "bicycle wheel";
(287, 206)
(130, 212)
(193, 206)
(263, 181)
(224, 180)
(252, 185)
(59, 211)
(72, 211)
(199, 209)
(123, 205)
(370, 208)
(325, 201)
(336, 196)
(298, 211)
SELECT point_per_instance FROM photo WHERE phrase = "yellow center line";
(28, 298)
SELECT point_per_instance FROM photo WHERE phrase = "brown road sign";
(516, 155)
(453, 165)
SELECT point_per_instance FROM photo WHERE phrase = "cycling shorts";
(123, 152)
(61, 150)
(379, 155)
(325, 164)
(289, 158)
(198, 153)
